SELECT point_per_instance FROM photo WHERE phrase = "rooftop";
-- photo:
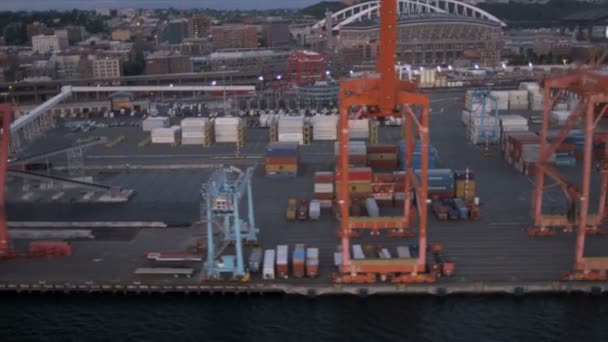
(422, 18)
(589, 15)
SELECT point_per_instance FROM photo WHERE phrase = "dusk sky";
(7, 5)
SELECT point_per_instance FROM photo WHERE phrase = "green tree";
(15, 34)
(135, 66)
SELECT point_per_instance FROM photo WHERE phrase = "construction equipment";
(220, 197)
(378, 96)
(590, 85)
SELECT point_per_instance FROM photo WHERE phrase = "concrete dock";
(492, 255)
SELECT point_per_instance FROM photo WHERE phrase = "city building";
(121, 35)
(590, 25)
(234, 37)
(76, 34)
(64, 37)
(165, 62)
(106, 12)
(305, 68)
(106, 68)
(175, 31)
(200, 26)
(265, 63)
(45, 44)
(72, 64)
(276, 34)
(196, 46)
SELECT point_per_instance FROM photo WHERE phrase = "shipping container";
(358, 252)
(269, 261)
(324, 177)
(403, 252)
(314, 210)
(282, 261)
(372, 207)
(50, 248)
(338, 261)
(255, 260)
(298, 260)
(312, 262)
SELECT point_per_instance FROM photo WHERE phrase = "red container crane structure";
(590, 85)
(382, 95)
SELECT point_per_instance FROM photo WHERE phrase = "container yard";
(425, 207)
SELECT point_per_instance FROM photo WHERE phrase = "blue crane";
(220, 197)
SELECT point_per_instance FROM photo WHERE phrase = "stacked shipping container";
(522, 150)
(298, 261)
(360, 181)
(282, 159)
(324, 188)
(433, 156)
(357, 153)
(382, 156)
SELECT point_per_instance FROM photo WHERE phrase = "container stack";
(465, 184)
(325, 127)
(523, 150)
(382, 156)
(324, 188)
(291, 129)
(282, 261)
(461, 208)
(312, 262)
(227, 130)
(512, 123)
(153, 123)
(282, 159)
(357, 153)
(535, 96)
(194, 131)
(558, 118)
(360, 181)
(518, 100)
(269, 264)
(502, 99)
(358, 129)
(571, 149)
(433, 156)
(482, 129)
(383, 186)
(473, 102)
(168, 135)
(298, 261)
(440, 183)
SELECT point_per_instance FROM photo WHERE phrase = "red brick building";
(234, 37)
(305, 67)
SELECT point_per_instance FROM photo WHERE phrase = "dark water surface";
(285, 318)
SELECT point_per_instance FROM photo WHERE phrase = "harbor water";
(288, 318)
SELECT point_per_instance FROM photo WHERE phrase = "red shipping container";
(381, 148)
(50, 248)
(383, 164)
(354, 160)
(323, 196)
(360, 173)
(324, 177)
(281, 160)
(383, 178)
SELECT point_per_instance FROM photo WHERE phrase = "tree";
(135, 66)
(15, 34)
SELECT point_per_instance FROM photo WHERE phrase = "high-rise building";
(106, 68)
(175, 31)
(46, 44)
(200, 26)
(234, 37)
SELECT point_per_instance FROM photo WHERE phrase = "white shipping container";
(372, 207)
(322, 188)
(314, 210)
(403, 252)
(269, 259)
(282, 254)
(386, 253)
(358, 252)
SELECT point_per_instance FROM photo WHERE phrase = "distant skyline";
(33, 5)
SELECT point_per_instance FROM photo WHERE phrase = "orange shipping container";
(281, 160)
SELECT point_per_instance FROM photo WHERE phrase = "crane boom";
(385, 65)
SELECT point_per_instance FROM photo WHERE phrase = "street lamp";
(279, 77)
(530, 65)
(214, 83)
(450, 67)
(476, 66)
(439, 68)
(261, 78)
(504, 65)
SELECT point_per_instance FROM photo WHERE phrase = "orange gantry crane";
(590, 85)
(383, 95)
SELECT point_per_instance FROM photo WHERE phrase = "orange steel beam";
(386, 56)
(7, 115)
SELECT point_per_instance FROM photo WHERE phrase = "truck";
(314, 209)
(312, 262)
(269, 259)
(298, 260)
(255, 260)
(302, 210)
(282, 261)
(291, 209)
